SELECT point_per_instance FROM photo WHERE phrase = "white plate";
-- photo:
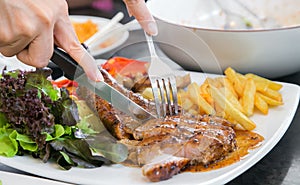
(116, 39)
(8, 178)
(272, 127)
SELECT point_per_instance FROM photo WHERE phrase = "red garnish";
(124, 66)
(65, 83)
(70, 85)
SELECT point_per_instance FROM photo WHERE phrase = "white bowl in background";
(190, 35)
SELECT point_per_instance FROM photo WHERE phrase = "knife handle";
(69, 66)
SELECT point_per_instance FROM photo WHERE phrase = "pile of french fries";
(233, 96)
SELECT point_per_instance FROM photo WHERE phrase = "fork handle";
(150, 44)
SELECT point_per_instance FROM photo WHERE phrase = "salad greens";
(96, 135)
(39, 119)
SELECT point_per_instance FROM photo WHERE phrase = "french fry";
(241, 77)
(261, 104)
(271, 84)
(229, 109)
(205, 94)
(271, 93)
(269, 100)
(266, 87)
(261, 86)
(229, 86)
(187, 104)
(231, 98)
(248, 97)
(221, 80)
(147, 93)
(194, 94)
(219, 110)
(215, 82)
(181, 96)
(234, 79)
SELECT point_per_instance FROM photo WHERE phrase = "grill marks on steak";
(164, 169)
(164, 147)
(181, 140)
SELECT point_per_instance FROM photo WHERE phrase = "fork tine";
(168, 89)
(173, 88)
(162, 97)
(156, 92)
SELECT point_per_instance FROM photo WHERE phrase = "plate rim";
(16, 177)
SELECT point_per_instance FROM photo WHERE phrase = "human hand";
(29, 29)
(139, 10)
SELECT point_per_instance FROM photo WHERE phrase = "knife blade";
(119, 101)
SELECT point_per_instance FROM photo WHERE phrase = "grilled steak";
(164, 169)
(185, 140)
(164, 147)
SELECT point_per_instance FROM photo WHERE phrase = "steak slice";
(164, 169)
(187, 140)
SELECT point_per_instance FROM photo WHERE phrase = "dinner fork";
(163, 83)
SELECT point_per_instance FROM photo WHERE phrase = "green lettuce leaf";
(99, 139)
(8, 145)
(68, 130)
(25, 142)
(85, 126)
(39, 80)
(59, 132)
(65, 110)
(67, 158)
(77, 151)
(106, 145)
(13, 74)
(89, 123)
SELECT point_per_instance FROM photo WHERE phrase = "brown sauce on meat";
(246, 140)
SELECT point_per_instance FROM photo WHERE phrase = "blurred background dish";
(266, 50)
(86, 26)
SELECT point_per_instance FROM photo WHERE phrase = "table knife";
(119, 101)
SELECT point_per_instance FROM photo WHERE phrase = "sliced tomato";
(70, 85)
(64, 83)
(124, 66)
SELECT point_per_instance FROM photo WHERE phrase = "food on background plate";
(84, 30)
